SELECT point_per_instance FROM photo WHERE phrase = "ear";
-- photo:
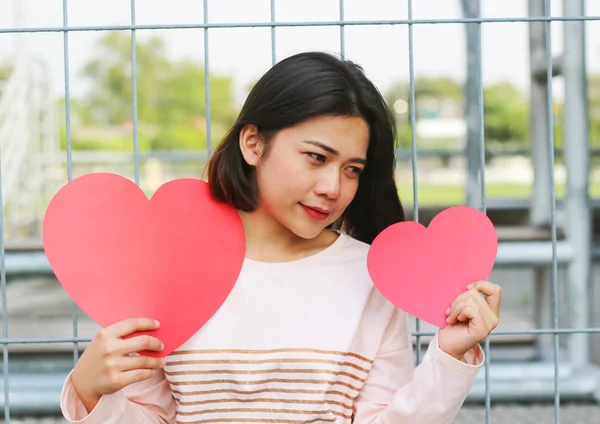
(251, 144)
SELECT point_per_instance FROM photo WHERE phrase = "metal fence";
(577, 247)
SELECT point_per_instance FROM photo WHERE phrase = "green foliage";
(5, 73)
(116, 142)
(172, 108)
(428, 90)
(427, 87)
(505, 107)
(506, 113)
(184, 137)
(404, 136)
(594, 105)
(171, 105)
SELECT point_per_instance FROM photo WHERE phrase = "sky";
(246, 53)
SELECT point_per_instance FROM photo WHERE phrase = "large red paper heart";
(422, 270)
(173, 258)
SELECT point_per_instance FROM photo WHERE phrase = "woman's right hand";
(107, 364)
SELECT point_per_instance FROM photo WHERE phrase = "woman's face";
(311, 171)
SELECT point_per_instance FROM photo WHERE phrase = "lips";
(316, 212)
(321, 210)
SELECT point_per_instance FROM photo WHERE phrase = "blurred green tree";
(505, 107)
(170, 99)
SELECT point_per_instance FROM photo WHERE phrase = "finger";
(478, 298)
(131, 325)
(454, 311)
(130, 363)
(469, 312)
(459, 299)
(482, 319)
(139, 343)
(134, 376)
(459, 307)
(493, 293)
(489, 315)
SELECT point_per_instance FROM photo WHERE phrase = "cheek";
(278, 179)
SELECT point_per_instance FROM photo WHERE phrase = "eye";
(316, 156)
(355, 170)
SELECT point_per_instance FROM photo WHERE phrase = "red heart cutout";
(422, 270)
(173, 258)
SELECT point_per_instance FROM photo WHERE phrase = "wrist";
(87, 397)
(458, 354)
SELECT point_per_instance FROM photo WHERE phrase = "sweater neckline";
(327, 251)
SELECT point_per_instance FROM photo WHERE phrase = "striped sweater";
(306, 341)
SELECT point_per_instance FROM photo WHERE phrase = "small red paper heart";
(422, 270)
(173, 258)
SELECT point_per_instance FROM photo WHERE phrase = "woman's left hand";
(471, 318)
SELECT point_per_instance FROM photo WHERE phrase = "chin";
(305, 233)
(308, 231)
(305, 229)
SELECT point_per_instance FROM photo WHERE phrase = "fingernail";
(470, 286)
(448, 319)
(447, 311)
(157, 323)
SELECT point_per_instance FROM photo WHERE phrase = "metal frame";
(573, 376)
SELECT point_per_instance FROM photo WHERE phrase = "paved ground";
(503, 414)
(534, 414)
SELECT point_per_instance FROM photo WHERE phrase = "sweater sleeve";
(396, 392)
(148, 402)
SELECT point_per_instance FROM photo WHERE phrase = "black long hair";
(298, 88)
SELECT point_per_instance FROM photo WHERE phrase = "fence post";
(576, 143)
(538, 126)
(538, 134)
(472, 9)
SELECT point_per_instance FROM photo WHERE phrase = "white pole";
(577, 153)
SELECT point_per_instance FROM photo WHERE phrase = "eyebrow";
(333, 151)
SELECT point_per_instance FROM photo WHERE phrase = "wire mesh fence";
(546, 19)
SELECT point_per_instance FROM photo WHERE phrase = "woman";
(304, 337)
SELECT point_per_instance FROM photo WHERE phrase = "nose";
(329, 183)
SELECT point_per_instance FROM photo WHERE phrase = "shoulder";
(350, 262)
(382, 327)
(352, 249)
(354, 254)
(347, 256)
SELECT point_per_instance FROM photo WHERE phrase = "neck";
(267, 240)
